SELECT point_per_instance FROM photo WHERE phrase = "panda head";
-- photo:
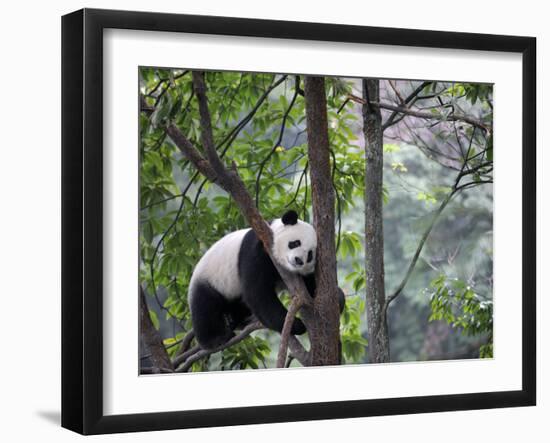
(294, 244)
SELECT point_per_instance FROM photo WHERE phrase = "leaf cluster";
(456, 302)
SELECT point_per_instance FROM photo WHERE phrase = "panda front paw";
(298, 327)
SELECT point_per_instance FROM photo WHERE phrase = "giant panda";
(236, 279)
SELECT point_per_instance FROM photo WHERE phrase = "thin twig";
(411, 97)
(278, 141)
(455, 189)
(185, 343)
(425, 115)
(419, 248)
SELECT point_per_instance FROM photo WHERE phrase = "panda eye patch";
(294, 244)
(309, 256)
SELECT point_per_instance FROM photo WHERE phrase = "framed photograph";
(269, 221)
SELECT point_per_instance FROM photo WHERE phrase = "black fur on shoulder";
(259, 279)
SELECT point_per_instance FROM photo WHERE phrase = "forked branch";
(228, 179)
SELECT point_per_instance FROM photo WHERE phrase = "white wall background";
(30, 223)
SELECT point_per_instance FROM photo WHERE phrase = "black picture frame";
(82, 215)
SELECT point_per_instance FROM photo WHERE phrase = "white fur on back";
(219, 266)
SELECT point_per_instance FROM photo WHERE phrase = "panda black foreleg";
(309, 280)
(266, 306)
(239, 314)
(211, 317)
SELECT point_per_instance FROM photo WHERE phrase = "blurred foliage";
(259, 126)
(353, 342)
(456, 302)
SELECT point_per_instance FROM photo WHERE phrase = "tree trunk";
(325, 334)
(152, 339)
(379, 345)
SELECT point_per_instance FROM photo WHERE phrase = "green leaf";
(391, 147)
(154, 319)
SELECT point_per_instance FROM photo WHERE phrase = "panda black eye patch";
(309, 256)
(294, 244)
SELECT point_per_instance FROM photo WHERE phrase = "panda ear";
(290, 218)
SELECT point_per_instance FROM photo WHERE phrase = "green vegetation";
(259, 128)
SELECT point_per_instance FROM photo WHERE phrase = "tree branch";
(296, 349)
(279, 139)
(419, 248)
(293, 309)
(190, 152)
(228, 139)
(151, 371)
(473, 184)
(425, 115)
(202, 353)
(240, 126)
(455, 189)
(185, 344)
(161, 241)
(410, 98)
(298, 352)
(429, 116)
(184, 356)
(230, 181)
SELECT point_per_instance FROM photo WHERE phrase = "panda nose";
(298, 261)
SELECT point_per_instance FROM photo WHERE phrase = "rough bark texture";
(152, 339)
(324, 335)
(379, 346)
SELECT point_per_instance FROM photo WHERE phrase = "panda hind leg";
(239, 315)
(210, 315)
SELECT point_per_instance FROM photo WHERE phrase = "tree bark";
(152, 339)
(324, 335)
(379, 345)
